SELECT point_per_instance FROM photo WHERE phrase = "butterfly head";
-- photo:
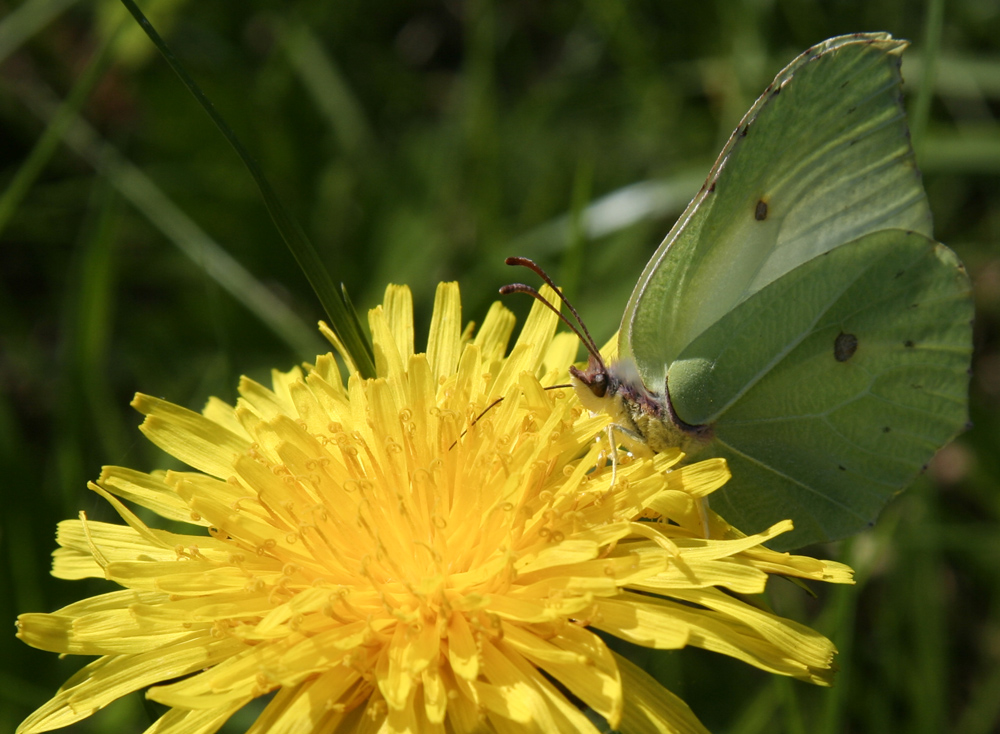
(598, 386)
(617, 388)
(603, 388)
(592, 384)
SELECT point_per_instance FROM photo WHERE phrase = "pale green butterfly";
(798, 320)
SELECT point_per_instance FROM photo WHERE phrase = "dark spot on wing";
(851, 109)
(886, 429)
(908, 343)
(844, 346)
(899, 274)
(760, 213)
(841, 467)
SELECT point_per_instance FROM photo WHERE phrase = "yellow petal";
(561, 353)
(559, 714)
(463, 655)
(495, 332)
(444, 343)
(388, 360)
(579, 660)
(541, 609)
(713, 549)
(159, 608)
(307, 707)
(700, 479)
(508, 693)
(189, 436)
(103, 633)
(652, 709)
(222, 684)
(735, 574)
(117, 542)
(282, 383)
(394, 680)
(642, 624)
(538, 330)
(208, 721)
(801, 566)
(148, 490)
(221, 412)
(74, 564)
(338, 346)
(613, 571)
(398, 305)
(263, 402)
(796, 640)
(463, 710)
(435, 695)
(712, 631)
(109, 678)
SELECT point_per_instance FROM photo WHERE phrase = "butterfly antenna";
(522, 288)
(582, 332)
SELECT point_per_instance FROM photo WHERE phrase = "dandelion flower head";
(407, 554)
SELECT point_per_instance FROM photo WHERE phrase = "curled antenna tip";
(506, 290)
(582, 333)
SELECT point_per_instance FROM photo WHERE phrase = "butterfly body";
(641, 414)
(799, 320)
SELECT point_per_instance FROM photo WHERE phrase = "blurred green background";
(420, 141)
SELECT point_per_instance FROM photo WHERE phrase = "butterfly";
(799, 320)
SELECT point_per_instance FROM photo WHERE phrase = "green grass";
(420, 141)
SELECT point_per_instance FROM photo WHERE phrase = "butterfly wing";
(832, 386)
(822, 158)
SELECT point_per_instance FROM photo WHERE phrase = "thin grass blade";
(346, 326)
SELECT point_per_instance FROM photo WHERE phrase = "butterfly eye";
(596, 380)
(599, 385)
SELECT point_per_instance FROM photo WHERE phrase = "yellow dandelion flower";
(382, 561)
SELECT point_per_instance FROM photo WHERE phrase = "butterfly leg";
(610, 433)
(632, 437)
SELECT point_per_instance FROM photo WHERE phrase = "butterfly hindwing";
(830, 388)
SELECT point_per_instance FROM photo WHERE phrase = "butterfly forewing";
(822, 158)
